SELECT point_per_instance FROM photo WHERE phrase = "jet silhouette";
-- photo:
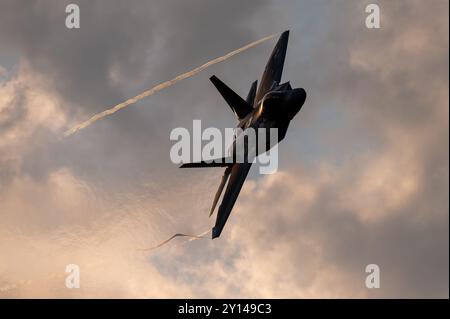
(271, 105)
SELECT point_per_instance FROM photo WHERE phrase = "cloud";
(28, 110)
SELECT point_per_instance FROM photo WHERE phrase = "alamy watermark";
(232, 145)
(373, 279)
(373, 18)
(73, 277)
(73, 16)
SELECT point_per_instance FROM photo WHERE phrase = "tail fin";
(252, 93)
(220, 162)
(274, 67)
(239, 106)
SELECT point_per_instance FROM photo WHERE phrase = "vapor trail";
(191, 238)
(162, 86)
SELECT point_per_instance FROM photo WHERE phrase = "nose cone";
(298, 96)
(295, 100)
(283, 104)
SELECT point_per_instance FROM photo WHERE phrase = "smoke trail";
(162, 86)
(191, 238)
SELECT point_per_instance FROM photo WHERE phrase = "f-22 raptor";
(271, 105)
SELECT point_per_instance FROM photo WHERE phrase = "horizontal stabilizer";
(239, 106)
(220, 162)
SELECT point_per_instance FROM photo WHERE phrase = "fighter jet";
(271, 105)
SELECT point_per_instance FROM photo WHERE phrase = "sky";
(363, 173)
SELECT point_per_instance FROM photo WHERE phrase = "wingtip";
(215, 233)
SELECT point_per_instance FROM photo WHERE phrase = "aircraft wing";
(274, 68)
(238, 174)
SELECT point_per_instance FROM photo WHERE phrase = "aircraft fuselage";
(275, 110)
